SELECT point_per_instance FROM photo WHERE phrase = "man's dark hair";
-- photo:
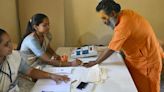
(108, 6)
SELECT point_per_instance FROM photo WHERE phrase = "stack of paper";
(93, 74)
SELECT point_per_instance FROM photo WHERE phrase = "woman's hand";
(59, 78)
(76, 62)
(64, 58)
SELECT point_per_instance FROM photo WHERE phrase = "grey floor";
(162, 87)
(162, 82)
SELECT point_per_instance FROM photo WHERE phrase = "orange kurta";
(135, 36)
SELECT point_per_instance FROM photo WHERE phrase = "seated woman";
(36, 43)
(12, 63)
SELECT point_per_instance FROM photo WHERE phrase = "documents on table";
(59, 70)
(93, 74)
(86, 60)
(47, 85)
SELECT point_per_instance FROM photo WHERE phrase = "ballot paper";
(47, 85)
(59, 70)
(93, 74)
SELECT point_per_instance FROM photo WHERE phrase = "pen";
(47, 91)
(74, 81)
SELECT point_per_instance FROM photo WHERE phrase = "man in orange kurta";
(135, 36)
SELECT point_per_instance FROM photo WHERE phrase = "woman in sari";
(36, 43)
(12, 63)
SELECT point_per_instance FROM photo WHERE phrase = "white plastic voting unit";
(86, 51)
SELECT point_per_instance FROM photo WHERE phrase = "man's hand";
(90, 64)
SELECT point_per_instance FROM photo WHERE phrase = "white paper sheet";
(59, 70)
(86, 60)
(47, 85)
(93, 74)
